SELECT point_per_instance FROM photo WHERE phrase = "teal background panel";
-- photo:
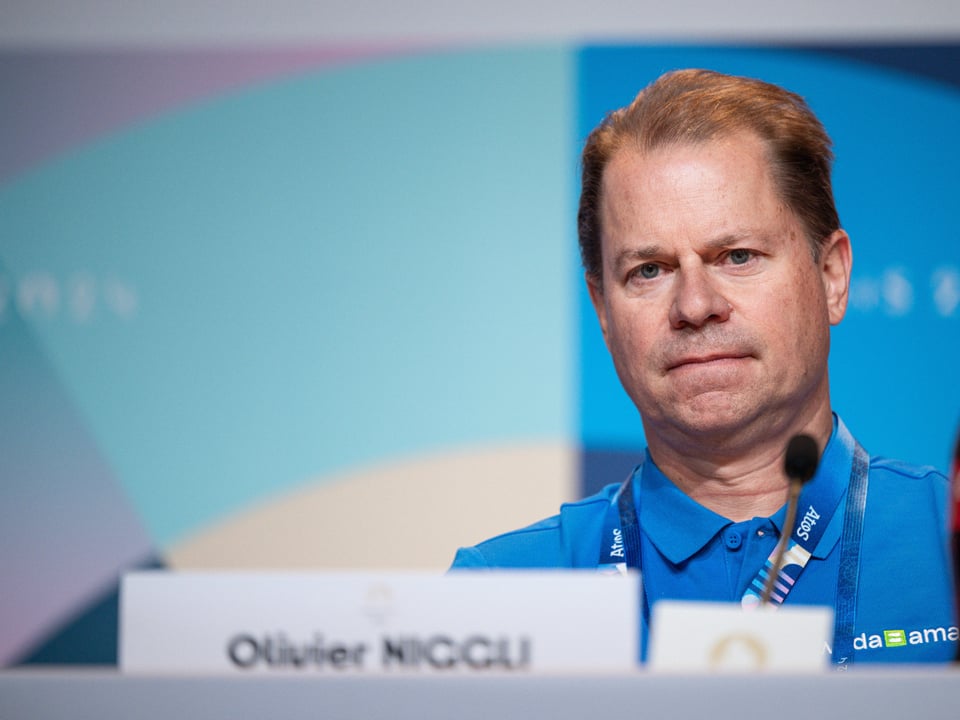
(321, 273)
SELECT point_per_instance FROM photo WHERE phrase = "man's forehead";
(717, 194)
(626, 172)
(631, 150)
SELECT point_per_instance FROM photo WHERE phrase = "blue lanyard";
(620, 544)
(848, 582)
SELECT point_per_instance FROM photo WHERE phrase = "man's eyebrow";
(732, 239)
(637, 254)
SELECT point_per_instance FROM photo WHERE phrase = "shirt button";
(732, 539)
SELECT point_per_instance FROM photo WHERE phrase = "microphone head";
(802, 458)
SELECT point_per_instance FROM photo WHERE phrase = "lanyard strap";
(620, 546)
(848, 582)
(815, 507)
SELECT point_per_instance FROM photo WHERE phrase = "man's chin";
(708, 421)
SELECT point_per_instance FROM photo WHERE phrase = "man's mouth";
(706, 359)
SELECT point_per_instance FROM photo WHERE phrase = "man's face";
(712, 306)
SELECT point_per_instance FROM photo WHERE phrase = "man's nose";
(697, 300)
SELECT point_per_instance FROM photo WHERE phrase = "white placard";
(715, 637)
(349, 622)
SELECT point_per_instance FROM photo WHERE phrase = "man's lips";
(705, 359)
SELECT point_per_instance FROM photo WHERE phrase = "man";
(716, 265)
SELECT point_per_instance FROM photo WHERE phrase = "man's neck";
(738, 485)
(734, 493)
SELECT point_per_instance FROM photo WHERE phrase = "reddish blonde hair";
(693, 106)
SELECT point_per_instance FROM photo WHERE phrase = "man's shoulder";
(905, 492)
(562, 540)
(890, 469)
(903, 477)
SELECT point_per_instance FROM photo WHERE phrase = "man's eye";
(648, 271)
(739, 256)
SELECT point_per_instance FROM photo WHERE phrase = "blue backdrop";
(245, 297)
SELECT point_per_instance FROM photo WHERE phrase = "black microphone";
(800, 463)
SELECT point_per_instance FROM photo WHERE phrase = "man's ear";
(836, 261)
(595, 288)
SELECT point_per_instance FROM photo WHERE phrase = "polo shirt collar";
(677, 525)
(680, 527)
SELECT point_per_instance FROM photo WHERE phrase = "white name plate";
(349, 622)
(716, 637)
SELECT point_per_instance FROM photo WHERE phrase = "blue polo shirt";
(690, 552)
